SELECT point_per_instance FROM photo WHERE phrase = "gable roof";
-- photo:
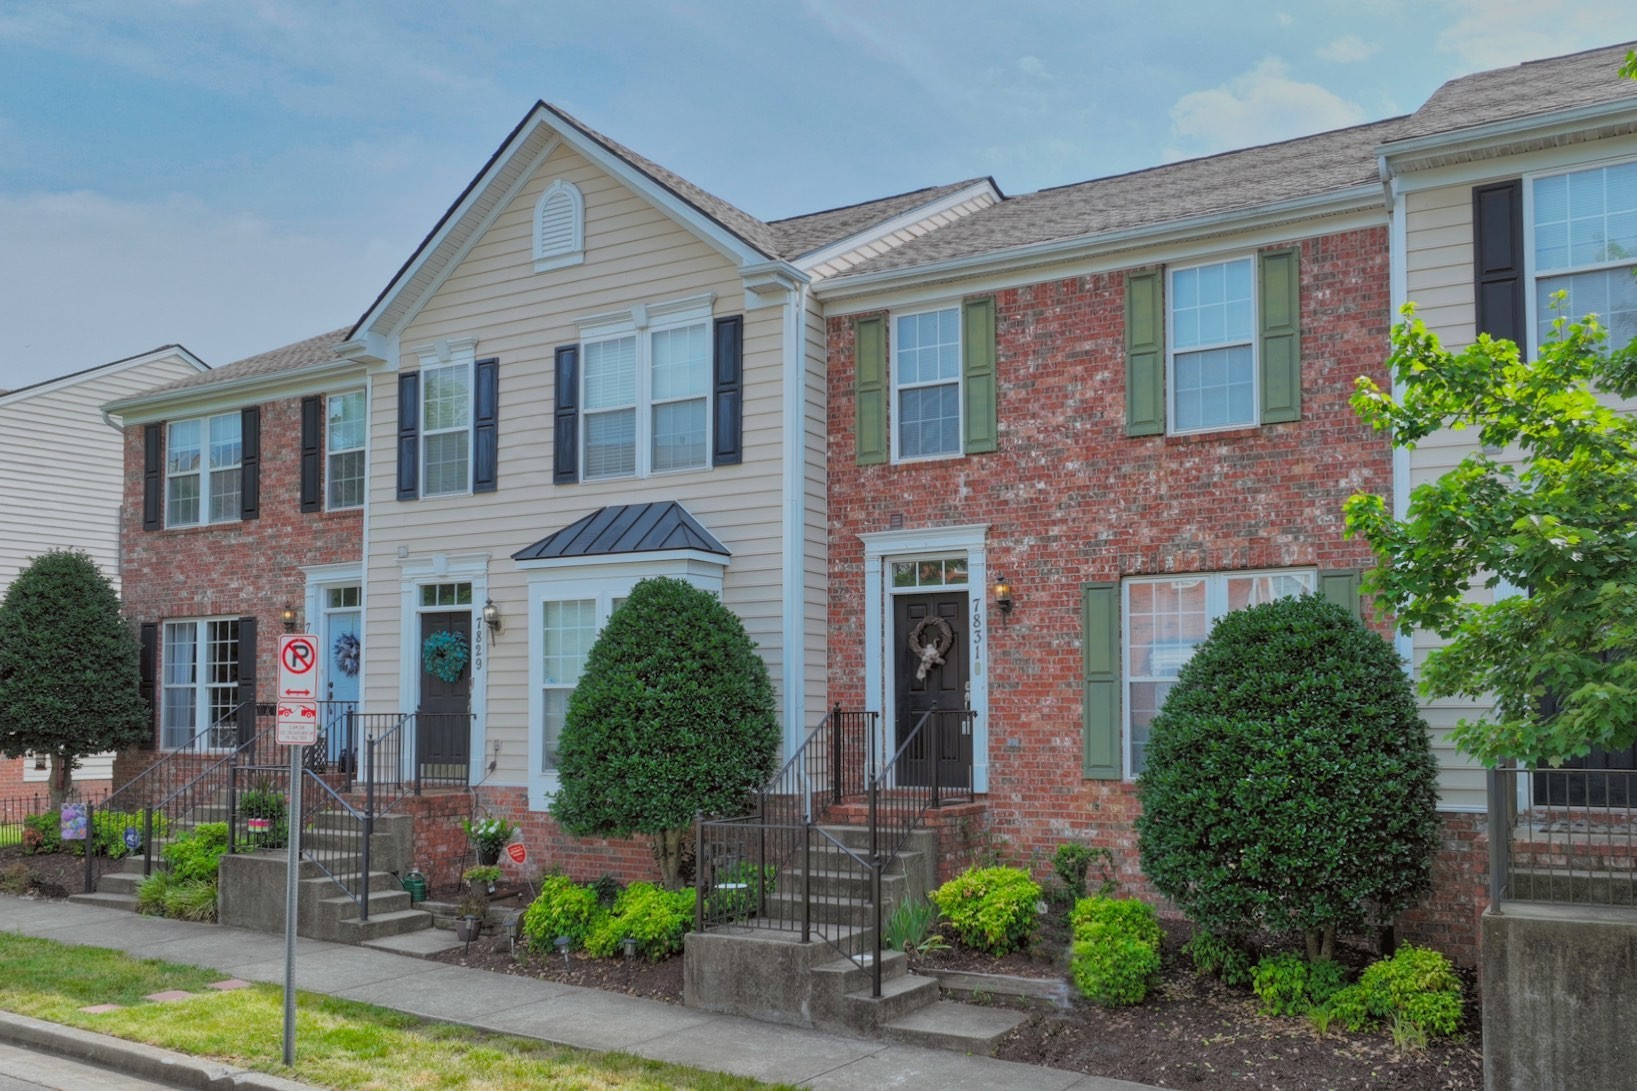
(626, 528)
(178, 352)
(1524, 90)
(314, 353)
(1307, 167)
(798, 235)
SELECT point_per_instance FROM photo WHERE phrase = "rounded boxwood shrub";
(1290, 785)
(1116, 949)
(1416, 984)
(562, 908)
(673, 716)
(657, 919)
(992, 909)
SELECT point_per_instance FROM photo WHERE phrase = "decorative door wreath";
(346, 654)
(930, 652)
(444, 655)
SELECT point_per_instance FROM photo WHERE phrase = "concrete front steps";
(762, 969)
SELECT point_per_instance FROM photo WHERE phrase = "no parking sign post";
(295, 726)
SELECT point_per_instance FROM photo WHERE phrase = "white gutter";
(234, 386)
(1354, 198)
(1485, 136)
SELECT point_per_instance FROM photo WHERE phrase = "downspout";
(794, 530)
(1398, 290)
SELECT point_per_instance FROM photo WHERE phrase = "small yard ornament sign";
(74, 822)
(517, 852)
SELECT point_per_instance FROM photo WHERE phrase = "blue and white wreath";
(346, 654)
(444, 655)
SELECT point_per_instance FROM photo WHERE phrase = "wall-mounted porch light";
(1003, 597)
(491, 615)
(289, 619)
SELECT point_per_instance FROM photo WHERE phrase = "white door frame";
(414, 573)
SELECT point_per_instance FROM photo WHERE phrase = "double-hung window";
(646, 399)
(926, 377)
(200, 687)
(345, 433)
(1213, 346)
(446, 428)
(1166, 618)
(1585, 244)
(202, 470)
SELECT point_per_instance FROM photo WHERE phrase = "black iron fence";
(1566, 836)
(15, 812)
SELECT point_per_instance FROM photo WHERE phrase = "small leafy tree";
(1559, 523)
(673, 716)
(1290, 784)
(69, 668)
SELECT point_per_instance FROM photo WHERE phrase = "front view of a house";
(1005, 458)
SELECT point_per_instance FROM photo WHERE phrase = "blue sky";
(235, 175)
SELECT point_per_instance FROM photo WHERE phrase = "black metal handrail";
(1564, 836)
(381, 737)
(339, 845)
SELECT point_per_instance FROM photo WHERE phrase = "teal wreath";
(444, 655)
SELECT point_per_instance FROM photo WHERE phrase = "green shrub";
(16, 879)
(1289, 782)
(1225, 959)
(673, 716)
(191, 900)
(656, 918)
(1417, 984)
(1351, 1007)
(992, 909)
(1070, 863)
(1280, 982)
(47, 830)
(196, 854)
(265, 801)
(1111, 966)
(911, 927)
(562, 908)
(739, 891)
(152, 891)
(1128, 915)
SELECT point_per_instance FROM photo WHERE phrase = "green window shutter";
(1281, 322)
(1145, 353)
(978, 374)
(1100, 654)
(1341, 586)
(870, 389)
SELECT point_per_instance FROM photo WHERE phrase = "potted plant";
(483, 878)
(488, 836)
(469, 915)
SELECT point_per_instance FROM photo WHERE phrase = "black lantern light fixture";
(1003, 597)
(289, 618)
(491, 615)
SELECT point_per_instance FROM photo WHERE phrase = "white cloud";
(1259, 107)
(89, 279)
(1497, 33)
(1349, 50)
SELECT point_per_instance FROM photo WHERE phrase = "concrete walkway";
(564, 1014)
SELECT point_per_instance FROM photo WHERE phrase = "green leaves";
(1547, 503)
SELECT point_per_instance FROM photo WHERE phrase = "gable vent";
(559, 237)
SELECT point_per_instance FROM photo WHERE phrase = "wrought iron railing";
(1566, 836)
(443, 743)
(15, 809)
(336, 838)
(744, 865)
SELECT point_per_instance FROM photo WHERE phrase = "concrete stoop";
(761, 969)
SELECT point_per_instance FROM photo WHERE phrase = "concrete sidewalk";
(564, 1014)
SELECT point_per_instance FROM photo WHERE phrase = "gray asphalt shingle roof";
(314, 350)
(1307, 166)
(799, 235)
(626, 528)
(1523, 90)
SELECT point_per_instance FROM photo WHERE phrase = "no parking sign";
(296, 723)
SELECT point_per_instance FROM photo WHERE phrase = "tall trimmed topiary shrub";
(673, 716)
(1290, 783)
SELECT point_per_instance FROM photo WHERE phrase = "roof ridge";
(888, 197)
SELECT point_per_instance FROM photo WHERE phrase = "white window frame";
(604, 580)
(896, 385)
(1532, 275)
(641, 323)
(1216, 607)
(573, 251)
(331, 451)
(447, 355)
(201, 685)
(204, 471)
(1253, 341)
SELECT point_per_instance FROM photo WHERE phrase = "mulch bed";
(48, 875)
(1192, 1033)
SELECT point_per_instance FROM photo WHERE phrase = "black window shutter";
(565, 447)
(409, 435)
(153, 478)
(1497, 252)
(149, 641)
(247, 679)
(250, 463)
(312, 453)
(485, 430)
(727, 448)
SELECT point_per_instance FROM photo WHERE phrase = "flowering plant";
(489, 835)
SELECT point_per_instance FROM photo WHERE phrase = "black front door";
(443, 726)
(929, 635)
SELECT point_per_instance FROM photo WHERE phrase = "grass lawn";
(339, 1043)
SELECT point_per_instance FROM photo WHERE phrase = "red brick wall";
(236, 569)
(1070, 499)
(1447, 919)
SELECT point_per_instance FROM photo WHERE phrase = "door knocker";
(930, 652)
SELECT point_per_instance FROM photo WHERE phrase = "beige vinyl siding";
(633, 254)
(880, 245)
(64, 467)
